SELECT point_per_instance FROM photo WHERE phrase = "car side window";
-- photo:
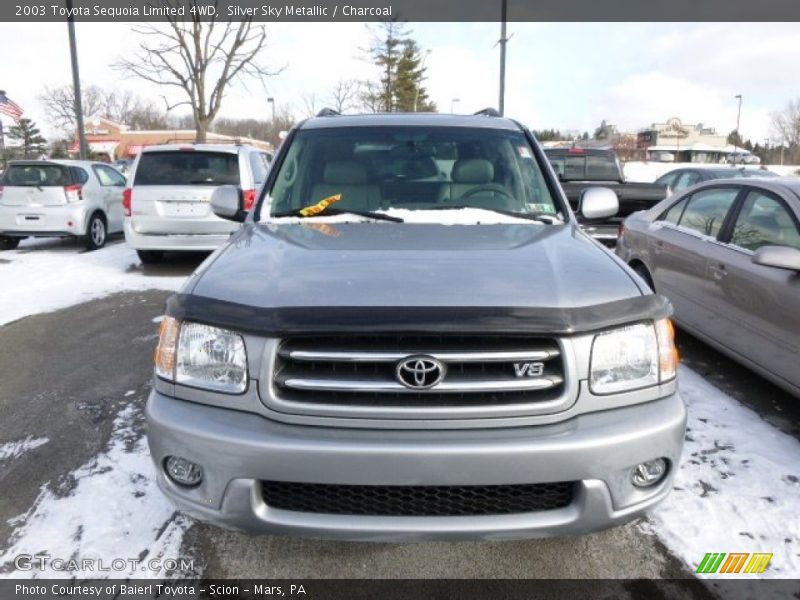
(668, 179)
(707, 209)
(687, 179)
(79, 175)
(764, 221)
(259, 164)
(108, 176)
(673, 215)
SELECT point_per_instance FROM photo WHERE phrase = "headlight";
(633, 357)
(201, 356)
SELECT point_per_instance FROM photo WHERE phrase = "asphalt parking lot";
(68, 374)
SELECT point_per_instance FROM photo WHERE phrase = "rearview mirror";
(780, 257)
(226, 203)
(598, 203)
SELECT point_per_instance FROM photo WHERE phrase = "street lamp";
(453, 104)
(736, 138)
(271, 100)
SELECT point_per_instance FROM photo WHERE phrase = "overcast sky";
(562, 75)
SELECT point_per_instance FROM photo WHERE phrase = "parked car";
(581, 168)
(60, 198)
(727, 253)
(167, 202)
(678, 180)
(410, 337)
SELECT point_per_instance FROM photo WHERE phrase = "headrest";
(473, 170)
(420, 168)
(345, 173)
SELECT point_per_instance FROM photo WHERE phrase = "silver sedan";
(727, 254)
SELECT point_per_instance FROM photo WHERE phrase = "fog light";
(649, 473)
(182, 471)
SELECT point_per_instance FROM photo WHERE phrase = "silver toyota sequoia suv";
(411, 338)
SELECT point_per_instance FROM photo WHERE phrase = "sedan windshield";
(368, 169)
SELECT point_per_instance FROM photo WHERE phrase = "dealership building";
(680, 142)
(110, 140)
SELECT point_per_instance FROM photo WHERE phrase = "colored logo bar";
(734, 562)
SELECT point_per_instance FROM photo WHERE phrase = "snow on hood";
(455, 216)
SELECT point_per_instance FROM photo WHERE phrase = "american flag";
(9, 107)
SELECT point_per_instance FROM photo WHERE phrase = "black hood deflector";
(312, 320)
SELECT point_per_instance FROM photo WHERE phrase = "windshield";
(416, 168)
(43, 175)
(187, 167)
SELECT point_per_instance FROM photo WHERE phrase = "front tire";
(96, 232)
(8, 243)
(150, 257)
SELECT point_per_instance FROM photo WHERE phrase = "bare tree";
(311, 103)
(59, 102)
(786, 126)
(199, 58)
(344, 95)
(122, 106)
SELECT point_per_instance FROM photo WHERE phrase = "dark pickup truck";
(581, 168)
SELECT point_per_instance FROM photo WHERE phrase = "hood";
(380, 264)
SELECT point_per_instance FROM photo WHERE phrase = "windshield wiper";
(330, 212)
(530, 216)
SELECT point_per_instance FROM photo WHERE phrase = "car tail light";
(576, 150)
(249, 199)
(127, 197)
(620, 230)
(73, 193)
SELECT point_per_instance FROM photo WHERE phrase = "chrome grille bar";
(450, 387)
(465, 357)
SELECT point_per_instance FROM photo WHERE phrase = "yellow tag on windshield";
(310, 211)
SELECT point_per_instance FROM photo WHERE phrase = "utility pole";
(271, 100)
(76, 81)
(736, 139)
(503, 41)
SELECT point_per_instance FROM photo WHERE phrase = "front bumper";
(238, 450)
(44, 221)
(178, 242)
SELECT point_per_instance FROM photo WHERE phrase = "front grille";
(362, 370)
(417, 500)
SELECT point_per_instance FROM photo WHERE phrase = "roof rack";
(329, 112)
(488, 112)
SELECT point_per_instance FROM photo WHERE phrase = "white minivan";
(168, 199)
(60, 198)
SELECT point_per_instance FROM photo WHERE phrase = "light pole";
(453, 104)
(736, 138)
(503, 41)
(76, 82)
(271, 100)
(421, 71)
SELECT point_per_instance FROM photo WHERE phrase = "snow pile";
(737, 488)
(45, 275)
(12, 450)
(113, 511)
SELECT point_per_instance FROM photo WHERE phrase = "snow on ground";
(737, 488)
(45, 275)
(12, 450)
(113, 510)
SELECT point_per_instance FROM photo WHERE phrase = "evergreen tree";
(28, 139)
(401, 72)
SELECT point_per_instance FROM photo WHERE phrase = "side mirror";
(780, 257)
(227, 202)
(598, 203)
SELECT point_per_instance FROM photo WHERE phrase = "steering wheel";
(485, 189)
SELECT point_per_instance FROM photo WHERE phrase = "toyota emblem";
(420, 372)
